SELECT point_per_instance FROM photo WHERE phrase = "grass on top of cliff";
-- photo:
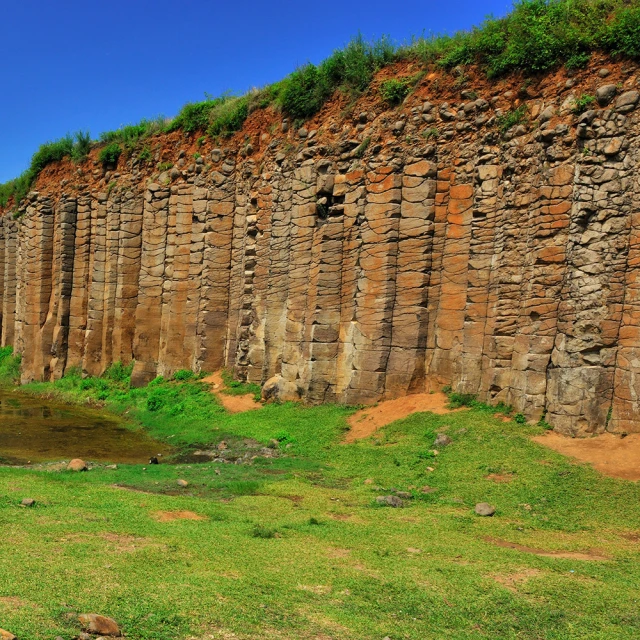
(294, 545)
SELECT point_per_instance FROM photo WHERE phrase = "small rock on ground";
(484, 509)
(405, 495)
(77, 465)
(100, 625)
(6, 635)
(28, 502)
(390, 501)
(442, 440)
(182, 483)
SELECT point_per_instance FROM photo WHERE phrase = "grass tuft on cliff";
(535, 37)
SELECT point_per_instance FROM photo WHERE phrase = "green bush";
(583, 103)
(110, 154)
(119, 373)
(512, 118)
(395, 91)
(9, 366)
(622, 37)
(229, 116)
(183, 374)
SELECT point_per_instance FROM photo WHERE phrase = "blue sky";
(95, 65)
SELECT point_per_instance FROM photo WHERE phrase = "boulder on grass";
(277, 389)
(99, 625)
(77, 465)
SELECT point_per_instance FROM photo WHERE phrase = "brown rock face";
(502, 263)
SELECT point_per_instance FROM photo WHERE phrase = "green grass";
(535, 37)
(294, 546)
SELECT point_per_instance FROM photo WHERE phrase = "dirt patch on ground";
(611, 455)
(233, 404)
(589, 554)
(170, 516)
(12, 602)
(513, 580)
(500, 477)
(367, 421)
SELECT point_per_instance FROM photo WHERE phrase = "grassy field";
(295, 545)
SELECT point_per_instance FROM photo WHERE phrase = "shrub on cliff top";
(110, 154)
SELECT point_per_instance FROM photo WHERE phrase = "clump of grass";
(512, 118)
(110, 154)
(264, 532)
(235, 387)
(584, 102)
(183, 375)
(394, 91)
(9, 366)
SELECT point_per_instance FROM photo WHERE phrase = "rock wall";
(379, 254)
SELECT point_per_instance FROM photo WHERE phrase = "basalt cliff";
(371, 253)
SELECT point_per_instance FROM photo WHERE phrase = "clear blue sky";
(96, 65)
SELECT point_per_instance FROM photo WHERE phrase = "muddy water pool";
(36, 430)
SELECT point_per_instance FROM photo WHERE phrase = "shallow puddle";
(37, 430)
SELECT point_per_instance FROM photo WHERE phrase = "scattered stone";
(603, 73)
(627, 101)
(605, 94)
(280, 390)
(547, 114)
(484, 509)
(28, 502)
(77, 465)
(113, 467)
(222, 446)
(302, 132)
(390, 501)
(6, 635)
(405, 495)
(442, 440)
(613, 147)
(153, 460)
(99, 625)
(182, 483)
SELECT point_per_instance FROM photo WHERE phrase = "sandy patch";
(12, 602)
(170, 516)
(233, 404)
(367, 421)
(589, 554)
(609, 454)
(500, 478)
(513, 580)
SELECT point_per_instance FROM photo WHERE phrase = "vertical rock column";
(406, 368)
(450, 318)
(36, 276)
(93, 353)
(279, 263)
(580, 383)
(626, 390)
(303, 221)
(322, 330)
(78, 307)
(8, 283)
(62, 274)
(146, 346)
(213, 314)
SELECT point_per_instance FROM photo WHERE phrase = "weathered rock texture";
(375, 257)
